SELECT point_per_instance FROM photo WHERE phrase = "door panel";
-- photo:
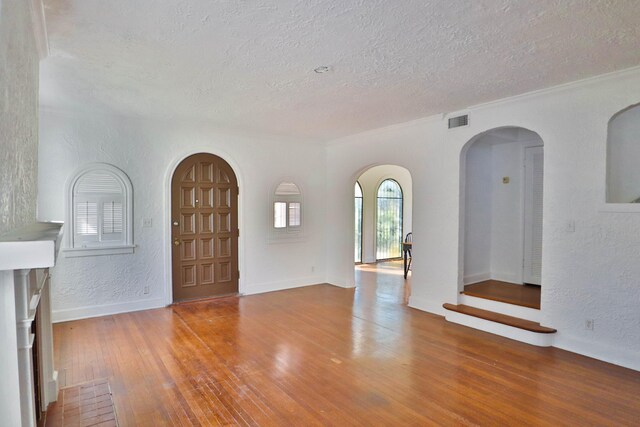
(534, 172)
(204, 231)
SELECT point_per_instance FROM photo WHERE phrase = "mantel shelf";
(34, 246)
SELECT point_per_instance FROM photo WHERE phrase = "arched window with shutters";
(287, 212)
(389, 220)
(358, 222)
(99, 212)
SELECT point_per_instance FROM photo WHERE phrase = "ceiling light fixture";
(322, 69)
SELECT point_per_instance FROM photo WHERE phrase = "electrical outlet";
(147, 222)
(570, 226)
(589, 324)
(146, 290)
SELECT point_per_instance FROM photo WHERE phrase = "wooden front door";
(204, 230)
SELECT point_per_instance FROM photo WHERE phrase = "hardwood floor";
(511, 293)
(323, 355)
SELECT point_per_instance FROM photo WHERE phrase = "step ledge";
(514, 322)
(521, 312)
(528, 337)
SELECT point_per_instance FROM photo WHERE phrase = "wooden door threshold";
(205, 299)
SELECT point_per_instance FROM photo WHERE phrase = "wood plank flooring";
(511, 293)
(323, 355)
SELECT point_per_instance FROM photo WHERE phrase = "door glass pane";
(389, 220)
(358, 223)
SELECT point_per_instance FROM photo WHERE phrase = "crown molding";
(38, 23)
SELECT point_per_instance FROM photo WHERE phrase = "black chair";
(408, 239)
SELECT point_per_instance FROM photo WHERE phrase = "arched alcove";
(623, 153)
(501, 207)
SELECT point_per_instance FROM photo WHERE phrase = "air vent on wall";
(456, 122)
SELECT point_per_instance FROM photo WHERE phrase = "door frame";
(523, 204)
(166, 217)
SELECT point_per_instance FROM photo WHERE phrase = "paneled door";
(204, 228)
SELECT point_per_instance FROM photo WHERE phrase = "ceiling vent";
(456, 122)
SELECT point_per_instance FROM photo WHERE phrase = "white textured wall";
(591, 273)
(623, 157)
(478, 197)
(147, 151)
(370, 181)
(18, 116)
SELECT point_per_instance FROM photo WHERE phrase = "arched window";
(99, 212)
(287, 207)
(389, 220)
(358, 222)
(623, 152)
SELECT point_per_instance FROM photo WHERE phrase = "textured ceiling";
(248, 65)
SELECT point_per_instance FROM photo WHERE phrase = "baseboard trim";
(609, 354)
(261, 288)
(476, 278)
(426, 304)
(506, 277)
(78, 313)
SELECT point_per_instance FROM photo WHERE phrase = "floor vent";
(456, 122)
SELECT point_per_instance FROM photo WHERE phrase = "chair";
(408, 239)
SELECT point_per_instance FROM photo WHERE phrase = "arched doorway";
(204, 228)
(389, 199)
(358, 203)
(501, 200)
(383, 216)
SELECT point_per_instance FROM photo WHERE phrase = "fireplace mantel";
(25, 258)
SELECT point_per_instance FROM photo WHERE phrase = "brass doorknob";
(176, 242)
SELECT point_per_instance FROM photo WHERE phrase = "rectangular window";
(280, 215)
(294, 214)
(112, 217)
(87, 218)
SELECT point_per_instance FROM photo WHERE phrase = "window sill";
(621, 207)
(97, 251)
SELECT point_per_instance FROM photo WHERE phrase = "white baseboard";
(475, 278)
(506, 277)
(104, 310)
(426, 304)
(609, 354)
(261, 288)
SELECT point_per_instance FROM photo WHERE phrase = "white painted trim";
(610, 354)
(426, 304)
(476, 278)
(287, 234)
(261, 288)
(86, 312)
(501, 307)
(337, 284)
(507, 277)
(39, 26)
(563, 87)
(533, 338)
(112, 250)
(166, 225)
(620, 208)
(124, 179)
(391, 128)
